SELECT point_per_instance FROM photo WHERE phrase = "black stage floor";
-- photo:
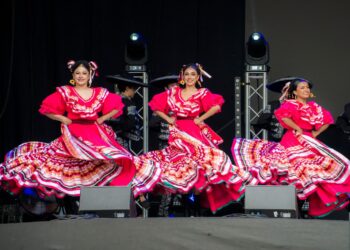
(177, 233)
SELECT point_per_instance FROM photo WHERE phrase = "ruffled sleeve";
(159, 102)
(327, 118)
(285, 111)
(113, 101)
(53, 104)
(210, 100)
(320, 116)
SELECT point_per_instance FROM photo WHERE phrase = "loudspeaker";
(110, 201)
(271, 201)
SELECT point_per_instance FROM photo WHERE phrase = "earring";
(312, 95)
(72, 82)
(182, 82)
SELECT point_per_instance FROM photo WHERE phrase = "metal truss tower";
(141, 100)
(255, 99)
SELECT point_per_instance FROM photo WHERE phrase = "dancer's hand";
(66, 120)
(197, 121)
(100, 120)
(171, 120)
(298, 131)
(314, 133)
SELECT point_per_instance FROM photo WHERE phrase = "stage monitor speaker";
(110, 201)
(271, 201)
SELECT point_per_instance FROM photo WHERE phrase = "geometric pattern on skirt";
(185, 164)
(62, 166)
(311, 167)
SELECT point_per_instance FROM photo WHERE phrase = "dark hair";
(83, 63)
(122, 87)
(294, 85)
(193, 66)
(196, 68)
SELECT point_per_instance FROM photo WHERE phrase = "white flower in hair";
(70, 64)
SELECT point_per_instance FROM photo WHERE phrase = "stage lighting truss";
(237, 107)
(135, 58)
(256, 60)
(255, 102)
(141, 100)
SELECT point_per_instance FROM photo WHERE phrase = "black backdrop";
(40, 36)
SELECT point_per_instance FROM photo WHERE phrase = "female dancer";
(86, 153)
(192, 161)
(319, 173)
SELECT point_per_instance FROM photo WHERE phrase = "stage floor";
(177, 233)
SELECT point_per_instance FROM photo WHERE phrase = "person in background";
(343, 121)
(127, 126)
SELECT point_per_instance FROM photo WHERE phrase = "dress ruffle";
(186, 164)
(320, 174)
(86, 153)
(64, 165)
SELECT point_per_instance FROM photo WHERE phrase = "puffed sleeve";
(327, 118)
(210, 100)
(53, 104)
(285, 111)
(324, 118)
(159, 102)
(113, 101)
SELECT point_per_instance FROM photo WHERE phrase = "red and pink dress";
(192, 159)
(319, 173)
(86, 153)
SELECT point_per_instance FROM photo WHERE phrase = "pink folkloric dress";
(192, 159)
(86, 153)
(319, 173)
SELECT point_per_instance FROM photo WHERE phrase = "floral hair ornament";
(93, 68)
(284, 92)
(203, 72)
(70, 64)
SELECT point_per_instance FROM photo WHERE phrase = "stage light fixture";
(136, 50)
(134, 36)
(256, 36)
(257, 50)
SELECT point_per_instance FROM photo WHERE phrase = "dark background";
(309, 39)
(39, 37)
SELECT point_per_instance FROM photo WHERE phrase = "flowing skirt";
(188, 164)
(319, 173)
(85, 155)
